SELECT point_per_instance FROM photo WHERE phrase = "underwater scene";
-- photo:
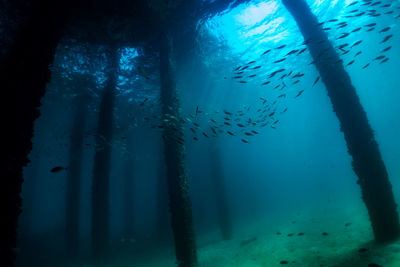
(202, 133)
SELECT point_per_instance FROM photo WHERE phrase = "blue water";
(297, 171)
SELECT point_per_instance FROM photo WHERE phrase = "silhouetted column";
(128, 193)
(367, 161)
(74, 176)
(223, 209)
(174, 154)
(163, 229)
(24, 73)
(102, 164)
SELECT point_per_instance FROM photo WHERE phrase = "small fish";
(280, 47)
(350, 63)
(358, 53)
(244, 141)
(227, 123)
(343, 35)
(230, 133)
(253, 75)
(387, 38)
(357, 43)
(302, 51)
(195, 138)
(58, 169)
(256, 67)
(237, 68)
(324, 233)
(206, 135)
(385, 60)
(366, 65)
(299, 93)
(282, 95)
(248, 134)
(242, 81)
(275, 72)
(292, 52)
(298, 75)
(386, 49)
(296, 81)
(352, 3)
(379, 57)
(251, 62)
(213, 130)
(307, 41)
(227, 112)
(371, 29)
(254, 132)
(240, 125)
(280, 60)
(362, 250)
(265, 83)
(342, 46)
(370, 25)
(316, 80)
(237, 77)
(196, 124)
(384, 29)
(267, 51)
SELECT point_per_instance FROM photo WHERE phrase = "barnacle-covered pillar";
(223, 210)
(102, 163)
(174, 155)
(367, 161)
(24, 73)
(72, 210)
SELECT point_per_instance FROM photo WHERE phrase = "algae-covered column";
(102, 163)
(367, 161)
(174, 155)
(223, 210)
(24, 73)
(74, 176)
